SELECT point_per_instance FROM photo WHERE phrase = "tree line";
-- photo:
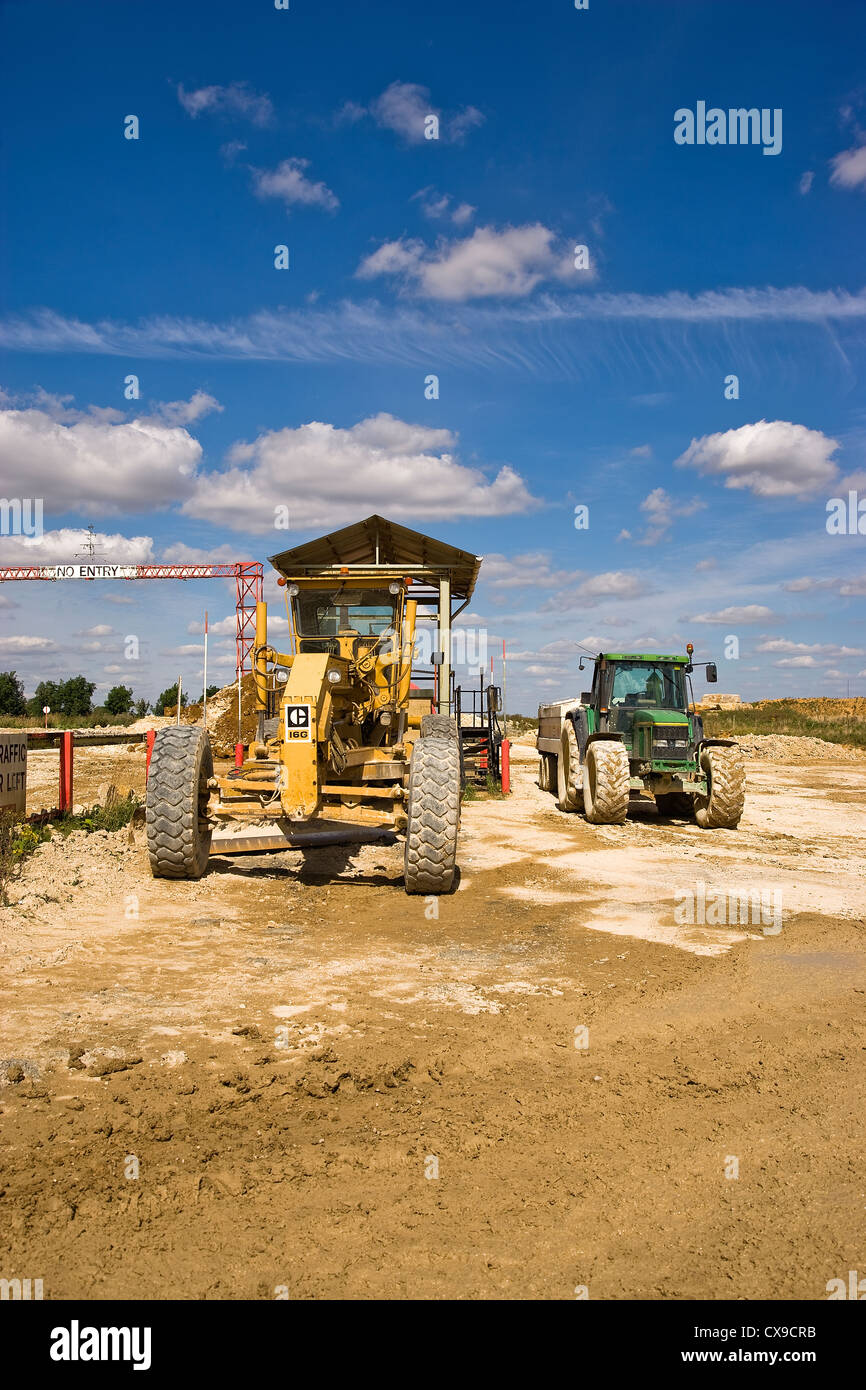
(74, 697)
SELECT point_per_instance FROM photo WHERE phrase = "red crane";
(248, 574)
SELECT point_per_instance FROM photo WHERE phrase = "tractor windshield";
(325, 613)
(646, 684)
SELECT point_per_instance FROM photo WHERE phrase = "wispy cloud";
(529, 335)
(237, 99)
(290, 184)
(405, 109)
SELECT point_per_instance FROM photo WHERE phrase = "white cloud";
(661, 510)
(404, 107)
(440, 205)
(797, 661)
(27, 644)
(174, 413)
(100, 630)
(530, 570)
(237, 99)
(806, 181)
(69, 545)
(508, 263)
(849, 168)
(751, 613)
(611, 584)
(770, 458)
(93, 466)
(289, 183)
(327, 476)
(828, 649)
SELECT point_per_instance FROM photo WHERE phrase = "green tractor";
(636, 734)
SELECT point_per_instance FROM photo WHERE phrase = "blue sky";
(455, 257)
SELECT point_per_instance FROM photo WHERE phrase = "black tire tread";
(181, 760)
(726, 776)
(609, 761)
(430, 856)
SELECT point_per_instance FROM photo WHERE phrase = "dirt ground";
(291, 1079)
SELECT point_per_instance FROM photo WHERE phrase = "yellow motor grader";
(346, 748)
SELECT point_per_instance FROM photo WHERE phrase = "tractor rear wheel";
(433, 815)
(178, 836)
(722, 807)
(438, 726)
(568, 770)
(676, 805)
(605, 783)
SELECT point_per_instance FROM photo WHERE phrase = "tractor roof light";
(334, 676)
(395, 587)
(293, 591)
(690, 646)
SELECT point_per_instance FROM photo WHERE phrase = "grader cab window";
(325, 613)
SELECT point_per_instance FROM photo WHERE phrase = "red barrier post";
(506, 766)
(65, 795)
(239, 755)
(151, 739)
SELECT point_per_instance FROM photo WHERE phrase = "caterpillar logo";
(299, 723)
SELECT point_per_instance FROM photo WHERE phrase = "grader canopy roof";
(379, 543)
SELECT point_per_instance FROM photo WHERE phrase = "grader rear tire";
(568, 770)
(605, 783)
(178, 837)
(544, 772)
(722, 808)
(438, 726)
(430, 856)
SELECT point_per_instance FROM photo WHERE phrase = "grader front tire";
(178, 837)
(722, 807)
(438, 726)
(430, 856)
(605, 783)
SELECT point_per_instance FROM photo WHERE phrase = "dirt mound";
(792, 748)
(821, 707)
(222, 716)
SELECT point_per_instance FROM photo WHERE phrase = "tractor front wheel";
(178, 836)
(722, 807)
(605, 783)
(430, 856)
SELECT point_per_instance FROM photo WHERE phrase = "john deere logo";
(298, 723)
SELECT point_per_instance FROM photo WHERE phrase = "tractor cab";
(646, 700)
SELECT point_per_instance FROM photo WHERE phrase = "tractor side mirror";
(586, 697)
(494, 699)
(712, 673)
(437, 658)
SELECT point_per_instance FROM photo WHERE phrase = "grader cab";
(347, 747)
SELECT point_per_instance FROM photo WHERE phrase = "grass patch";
(118, 813)
(67, 721)
(799, 718)
(17, 842)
